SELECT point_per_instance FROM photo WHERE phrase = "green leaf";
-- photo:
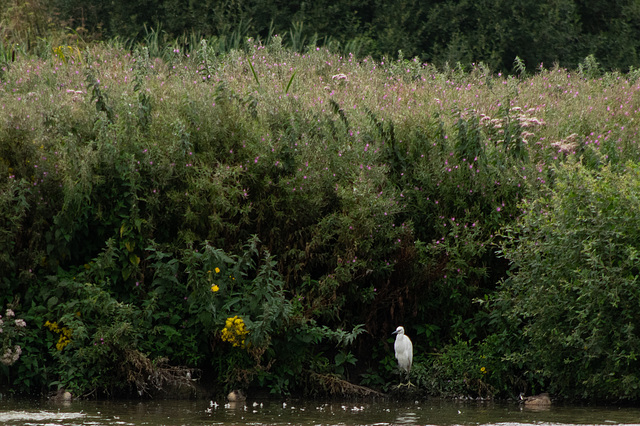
(255, 76)
(290, 81)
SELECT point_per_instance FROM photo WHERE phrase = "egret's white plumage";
(404, 350)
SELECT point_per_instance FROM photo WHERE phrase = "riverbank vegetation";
(264, 218)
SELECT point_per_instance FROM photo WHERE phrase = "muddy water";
(292, 412)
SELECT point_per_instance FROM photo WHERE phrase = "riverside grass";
(377, 191)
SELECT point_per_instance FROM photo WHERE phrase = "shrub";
(573, 288)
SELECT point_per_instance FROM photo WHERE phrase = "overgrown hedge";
(265, 218)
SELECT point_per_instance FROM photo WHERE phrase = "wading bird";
(236, 396)
(404, 351)
(541, 400)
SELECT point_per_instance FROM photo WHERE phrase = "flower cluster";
(11, 355)
(567, 145)
(64, 333)
(9, 329)
(235, 332)
(525, 120)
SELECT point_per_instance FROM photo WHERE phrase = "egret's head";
(399, 330)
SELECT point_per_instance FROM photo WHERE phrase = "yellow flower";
(65, 333)
(217, 270)
(214, 288)
(235, 332)
(53, 326)
(229, 322)
(483, 370)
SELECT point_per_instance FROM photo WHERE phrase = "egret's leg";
(408, 384)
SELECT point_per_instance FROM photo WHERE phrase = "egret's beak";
(395, 332)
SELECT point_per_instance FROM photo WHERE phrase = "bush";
(573, 291)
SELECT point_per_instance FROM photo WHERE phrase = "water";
(272, 412)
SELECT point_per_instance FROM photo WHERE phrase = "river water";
(292, 412)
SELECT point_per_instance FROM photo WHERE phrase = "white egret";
(404, 351)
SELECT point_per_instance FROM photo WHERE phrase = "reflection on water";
(15, 417)
(273, 412)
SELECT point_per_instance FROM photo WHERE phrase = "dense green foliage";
(435, 31)
(575, 294)
(264, 218)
